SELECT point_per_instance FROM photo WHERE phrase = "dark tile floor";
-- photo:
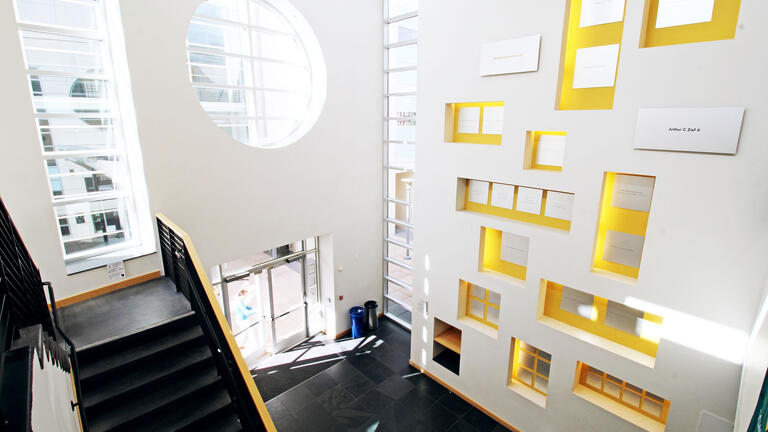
(370, 387)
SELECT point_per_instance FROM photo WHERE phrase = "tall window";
(257, 70)
(93, 169)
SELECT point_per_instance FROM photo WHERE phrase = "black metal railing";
(23, 303)
(180, 268)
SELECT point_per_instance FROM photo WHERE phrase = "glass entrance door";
(288, 305)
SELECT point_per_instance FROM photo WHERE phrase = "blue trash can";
(357, 318)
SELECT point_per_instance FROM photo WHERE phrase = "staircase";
(160, 378)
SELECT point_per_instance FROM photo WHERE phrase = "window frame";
(517, 364)
(486, 305)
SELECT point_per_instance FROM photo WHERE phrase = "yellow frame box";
(452, 134)
(725, 18)
(490, 256)
(532, 149)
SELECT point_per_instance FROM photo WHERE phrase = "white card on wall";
(469, 120)
(673, 13)
(596, 12)
(529, 200)
(510, 56)
(622, 248)
(699, 130)
(493, 120)
(115, 271)
(503, 195)
(514, 249)
(633, 192)
(550, 150)
(478, 191)
(596, 66)
(559, 205)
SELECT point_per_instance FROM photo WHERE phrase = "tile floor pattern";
(375, 389)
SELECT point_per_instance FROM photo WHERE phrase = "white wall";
(703, 263)
(755, 365)
(232, 199)
(52, 397)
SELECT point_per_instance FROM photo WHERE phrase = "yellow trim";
(576, 37)
(491, 255)
(583, 370)
(725, 18)
(616, 219)
(226, 330)
(538, 219)
(532, 147)
(461, 395)
(596, 325)
(125, 283)
(478, 138)
(516, 365)
(486, 304)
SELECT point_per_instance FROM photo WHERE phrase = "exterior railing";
(183, 266)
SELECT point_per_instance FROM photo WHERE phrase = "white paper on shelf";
(493, 120)
(478, 191)
(529, 200)
(514, 249)
(633, 192)
(596, 12)
(701, 130)
(596, 66)
(673, 13)
(503, 195)
(510, 56)
(623, 248)
(469, 120)
(559, 205)
(550, 150)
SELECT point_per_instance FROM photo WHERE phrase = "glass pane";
(402, 130)
(236, 129)
(399, 7)
(540, 384)
(399, 232)
(254, 341)
(542, 368)
(526, 359)
(231, 10)
(612, 388)
(290, 326)
(404, 56)
(222, 101)
(529, 348)
(577, 302)
(403, 295)
(402, 106)
(92, 225)
(651, 407)
(248, 301)
(207, 34)
(634, 388)
(44, 86)
(400, 185)
(284, 77)
(493, 315)
(402, 82)
(217, 69)
(311, 243)
(287, 105)
(397, 310)
(652, 396)
(494, 298)
(525, 376)
(624, 318)
(278, 47)
(61, 13)
(81, 176)
(267, 17)
(287, 290)
(402, 155)
(545, 356)
(594, 380)
(631, 398)
(476, 291)
(51, 52)
(74, 134)
(397, 252)
(400, 273)
(477, 309)
(404, 30)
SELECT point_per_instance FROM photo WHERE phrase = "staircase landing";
(123, 312)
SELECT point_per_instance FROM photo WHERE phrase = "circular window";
(257, 69)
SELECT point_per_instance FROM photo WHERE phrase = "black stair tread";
(191, 410)
(97, 350)
(151, 347)
(145, 373)
(143, 404)
(225, 423)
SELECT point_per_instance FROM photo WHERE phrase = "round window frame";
(317, 70)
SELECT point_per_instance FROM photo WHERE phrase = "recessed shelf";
(446, 346)
(474, 122)
(624, 212)
(625, 331)
(537, 206)
(544, 150)
(725, 18)
(503, 254)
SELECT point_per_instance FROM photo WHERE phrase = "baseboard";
(345, 332)
(459, 394)
(125, 283)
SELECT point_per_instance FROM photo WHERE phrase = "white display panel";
(493, 120)
(503, 195)
(514, 249)
(529, 200)
(597, 12)
(469, 120)
(596, 66)
(623, 248)
(673, 13)
(700, 130)
(550, 150)
(510, 56)
(478, 191)
(559, 205)
(633, 192)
